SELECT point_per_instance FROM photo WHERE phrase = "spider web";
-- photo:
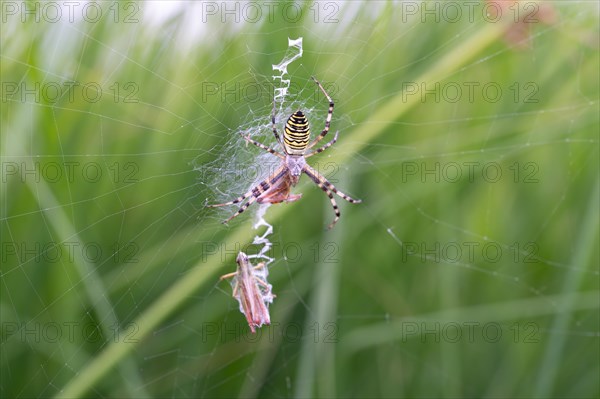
(103, 203)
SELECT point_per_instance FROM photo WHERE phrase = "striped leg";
(320, 180)
(328, 188)
(329, 115)
(264, 147)
(256, 192)
(334, 205)
(326, 146)
(275, 127)
(336, 209)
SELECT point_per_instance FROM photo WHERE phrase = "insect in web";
(276, 188)
(252, 291)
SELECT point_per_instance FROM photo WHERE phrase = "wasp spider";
(276, 188)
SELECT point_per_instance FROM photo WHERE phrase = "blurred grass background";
(109, 282)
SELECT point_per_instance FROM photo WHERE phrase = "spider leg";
(275, 127)
(328, 188)
(320, 180)
(264, 147)
(334, 205)
(335, 208)
(235, 201)
(241, 210)
(256, 192)
(279, 192)
(326, 146)
(329, 115)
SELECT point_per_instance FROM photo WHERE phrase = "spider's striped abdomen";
(296, 134)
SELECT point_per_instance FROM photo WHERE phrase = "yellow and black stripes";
(295, 143)
(296, 134)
